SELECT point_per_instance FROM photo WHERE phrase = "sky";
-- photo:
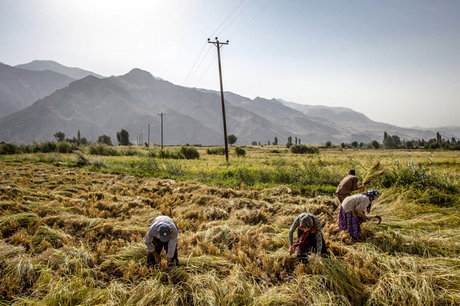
(397, 62)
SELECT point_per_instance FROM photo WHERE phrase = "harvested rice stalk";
(375, 171)
(375, 219)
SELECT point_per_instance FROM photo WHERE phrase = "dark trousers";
(309, 246)
(159, 246)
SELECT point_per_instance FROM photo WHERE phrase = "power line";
(194, 70)
(239, 4)
(253, 18)
(199, 65)
(234, 18)
(194, 63)
(206, 71)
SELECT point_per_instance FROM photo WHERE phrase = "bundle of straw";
(375, 171)
(375, 219)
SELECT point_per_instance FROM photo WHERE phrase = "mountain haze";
(72, 72)
(132, 101)
(20, 88)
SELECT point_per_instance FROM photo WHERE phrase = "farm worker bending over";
(309, 237)
(162, 235)
(347, 185)
(352, 209)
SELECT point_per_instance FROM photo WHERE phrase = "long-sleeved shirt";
(357, 203)
(318, 230)
(347, 185)
(153, 233)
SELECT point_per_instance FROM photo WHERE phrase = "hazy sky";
(396, 61)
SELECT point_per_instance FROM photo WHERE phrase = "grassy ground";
(74, 235)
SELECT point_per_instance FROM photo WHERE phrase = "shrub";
(165, 154)
(102, 149)
(8, 148)
(189, 152)
(216, 151)
(65, 147)
(240, 151)
(81, 160)
(45, 147)
(303, 149)
(129, 152)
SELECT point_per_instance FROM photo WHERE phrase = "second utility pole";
(219, 45)
(161, 115)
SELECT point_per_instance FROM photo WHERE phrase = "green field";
(72, 228)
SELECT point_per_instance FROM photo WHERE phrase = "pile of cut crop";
(69, 237)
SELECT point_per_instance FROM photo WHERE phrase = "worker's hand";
(170, 261)
(291, 250)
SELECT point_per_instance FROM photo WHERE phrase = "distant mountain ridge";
(72, 72)
(97, 106)
(20, 88)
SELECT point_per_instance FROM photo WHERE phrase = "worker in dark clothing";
(348, 185)
(309, 237)
(162, 235)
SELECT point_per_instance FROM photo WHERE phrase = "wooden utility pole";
(148, 141)
(161, 115)
(219, 45)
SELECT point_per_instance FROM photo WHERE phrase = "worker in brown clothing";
(347, 185)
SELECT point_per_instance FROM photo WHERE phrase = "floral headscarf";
(372, 194)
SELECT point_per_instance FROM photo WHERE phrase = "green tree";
(275, 141)
(438, 138)
(240, 151)
(123, 138)
(231, 139)
(375, 144)
(354, 144)
(105, 139)
(391, 142)
(78, 138)
(60, 136)
(289, 142)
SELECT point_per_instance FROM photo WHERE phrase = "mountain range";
(43, 97)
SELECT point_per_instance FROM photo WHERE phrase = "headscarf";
(372, 194)
(306, 221)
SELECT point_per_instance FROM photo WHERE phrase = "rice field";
(72, 229)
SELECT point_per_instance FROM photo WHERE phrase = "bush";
(129, 152)
(189, 152)
(81, 160)
(165, 154)
(8, 148)
(65, 147)
(45, 147)
(302, 149)
(216, 151)
(102, 149)
(240, 151)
